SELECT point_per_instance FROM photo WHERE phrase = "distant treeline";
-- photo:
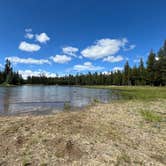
(153, 73)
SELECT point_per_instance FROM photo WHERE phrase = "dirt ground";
(101, 134)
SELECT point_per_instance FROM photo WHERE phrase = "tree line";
(8, 76)
(152, 73)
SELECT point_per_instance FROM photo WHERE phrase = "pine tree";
(151, 68)
(142, 75)
(126, 74)
(162, 64)
(134, 76)
(8, 71)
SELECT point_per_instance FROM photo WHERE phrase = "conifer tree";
(142, 73)
(162, 64)
(126, 74)
(151, 68)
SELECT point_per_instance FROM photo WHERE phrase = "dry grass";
(104, 134)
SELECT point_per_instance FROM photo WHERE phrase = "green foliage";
(150, 116)
(127, 74)
(8, 77)
(151, 68)
(136, 92)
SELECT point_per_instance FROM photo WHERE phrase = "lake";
(48, 99)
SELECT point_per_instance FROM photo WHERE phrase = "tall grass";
(136, 92)
(150, 116)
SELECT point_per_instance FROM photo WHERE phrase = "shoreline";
(124, 132)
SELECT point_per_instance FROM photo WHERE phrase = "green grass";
(4, 84)
(96, 101)
(136, 92)
(151, 116)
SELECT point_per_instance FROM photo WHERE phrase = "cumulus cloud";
(87, 66)
(103, 48)
(26, 73)
(28, 47)
(17, 60)
(61, 59)
(70, 50)
(42, 38)
(115, 69)
(113, 58)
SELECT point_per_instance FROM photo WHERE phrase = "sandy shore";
(103, 134)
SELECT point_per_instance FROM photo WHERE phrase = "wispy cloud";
(29, 35)
(87, 66)
(130, 47)
(28, 47)
(113, 59)
(17, 60)
(28, 30)
(70, 51)
(61, 59)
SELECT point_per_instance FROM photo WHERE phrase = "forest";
(152, 73)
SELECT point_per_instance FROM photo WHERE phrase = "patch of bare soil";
(103, 134)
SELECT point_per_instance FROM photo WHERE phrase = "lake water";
(47, 99)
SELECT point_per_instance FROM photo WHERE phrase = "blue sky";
(70, 36)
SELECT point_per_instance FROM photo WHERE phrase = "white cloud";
(106, 72)
(157, 58)
(42, 38)
(17, 60)
(24, 46)
(70, 50)
(130, 47)
(87, 66)
(28, 30)
(26, 73)
(103, 48)
(117, 69)
(29, 35)
(1, 66)
(61, 59)
(113, 58)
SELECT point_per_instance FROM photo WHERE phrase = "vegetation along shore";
(129, 131)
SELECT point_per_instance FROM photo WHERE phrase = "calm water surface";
(47, 99)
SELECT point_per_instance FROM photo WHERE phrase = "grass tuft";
(151, 116)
